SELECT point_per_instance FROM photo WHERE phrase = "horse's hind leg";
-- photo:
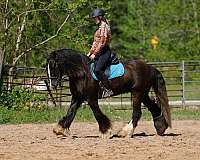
(103, 121)
(65, 122)
(158, 118)
(128, 130)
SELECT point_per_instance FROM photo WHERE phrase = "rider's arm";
(92, 48)
(103, 38)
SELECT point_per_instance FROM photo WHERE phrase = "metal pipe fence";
(182, 82)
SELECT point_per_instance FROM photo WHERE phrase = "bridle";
(59, 78)
(49, 74)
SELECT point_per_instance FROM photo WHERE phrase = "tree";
(175, 23)
(28, 23)
(31, 28)
(1, 63)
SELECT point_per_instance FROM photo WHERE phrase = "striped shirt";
(102, 38)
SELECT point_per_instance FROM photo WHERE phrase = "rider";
(100, 50)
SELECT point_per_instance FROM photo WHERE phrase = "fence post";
(183, 83)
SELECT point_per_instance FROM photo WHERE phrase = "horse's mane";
(71, 59)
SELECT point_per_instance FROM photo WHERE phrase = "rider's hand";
(88, 54)
(92, 56)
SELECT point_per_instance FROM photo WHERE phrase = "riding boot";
(104, 83)
(107, 92)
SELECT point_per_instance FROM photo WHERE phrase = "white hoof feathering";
(58, 130)
(127, 131)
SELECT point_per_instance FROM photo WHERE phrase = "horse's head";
(53, 71)
(65, 62)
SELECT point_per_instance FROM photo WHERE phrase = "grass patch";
(25, 116)
(85, 115)
(186, 114)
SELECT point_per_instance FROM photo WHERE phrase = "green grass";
(85, 115)
(186, 114)
(24, 116)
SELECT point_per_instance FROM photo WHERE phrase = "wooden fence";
(182, 81)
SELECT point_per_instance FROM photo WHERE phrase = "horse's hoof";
(123, 134)
(60, 131)
(107, 135)
(160, 125)
(126, 131)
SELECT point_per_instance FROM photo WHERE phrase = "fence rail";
(182, 81)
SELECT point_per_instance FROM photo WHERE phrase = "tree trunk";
(1, 63)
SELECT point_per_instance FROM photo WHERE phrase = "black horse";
(138, 79)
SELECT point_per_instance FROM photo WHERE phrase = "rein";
(158, 116)
(48, 89)
(86, 66)
(59, 79)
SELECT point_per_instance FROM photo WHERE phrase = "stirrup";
(107, 93)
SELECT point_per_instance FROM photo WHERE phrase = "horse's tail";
(161, 94)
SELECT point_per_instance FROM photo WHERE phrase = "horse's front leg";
(63, 125)
(103, 120)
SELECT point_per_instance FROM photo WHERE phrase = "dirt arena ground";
(37, 142)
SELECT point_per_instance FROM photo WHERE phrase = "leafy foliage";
(176, 23)
(42, 20)
(22, 99)
(133, 23)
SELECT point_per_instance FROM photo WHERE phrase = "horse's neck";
(78, 71)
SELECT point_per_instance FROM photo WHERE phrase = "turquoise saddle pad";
(114, 71)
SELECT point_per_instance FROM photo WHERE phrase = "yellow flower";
(154, 41)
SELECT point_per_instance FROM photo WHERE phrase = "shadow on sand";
(142, 134)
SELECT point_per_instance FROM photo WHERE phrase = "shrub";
(22, 99)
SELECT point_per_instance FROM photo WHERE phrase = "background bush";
(22, 99)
